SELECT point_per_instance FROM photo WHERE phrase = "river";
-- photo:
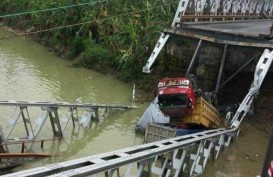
(30, 72)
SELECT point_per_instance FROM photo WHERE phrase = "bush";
(95, 54)
(76, 47)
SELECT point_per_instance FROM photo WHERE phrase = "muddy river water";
(30, 72)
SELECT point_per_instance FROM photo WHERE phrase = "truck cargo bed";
(204, 113)
(156, 132)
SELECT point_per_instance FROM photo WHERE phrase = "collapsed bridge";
(188, 154)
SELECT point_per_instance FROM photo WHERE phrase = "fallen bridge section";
(61, 104)
(11, 160)
(187, 155)
(21, 113)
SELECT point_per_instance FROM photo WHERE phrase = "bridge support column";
(110, 173)
(140, 168)
(207, 71)
(90, 115)
(194, 57)
(74, 115)
(3, 145)
(96, 114)
(189, 163)
(55, 122)
(105, 112)
(221, 69)
(27, 122)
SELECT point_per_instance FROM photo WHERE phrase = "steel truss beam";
(187, 155)
(61, 104)
(48, 109)
(202, 10)
(261, 70)
(231, 10)
(158, 47)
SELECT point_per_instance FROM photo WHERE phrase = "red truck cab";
(176, 97)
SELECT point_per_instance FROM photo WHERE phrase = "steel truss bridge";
(21, 113)
(184, 155)
(226, 22)
(180, 156)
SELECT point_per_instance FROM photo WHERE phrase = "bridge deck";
(246, 28)
(242, 33)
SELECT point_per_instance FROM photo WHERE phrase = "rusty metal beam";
(23, 155)
(193, 34)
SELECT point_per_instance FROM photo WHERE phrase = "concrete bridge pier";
(208, 66)
(212, 63)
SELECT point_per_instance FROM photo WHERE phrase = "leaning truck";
(166, 118)
(178, 109)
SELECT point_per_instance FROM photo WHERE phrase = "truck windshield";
(172, 100)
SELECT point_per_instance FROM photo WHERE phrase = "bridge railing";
(185, 155)
(209, 17)
(221, 10)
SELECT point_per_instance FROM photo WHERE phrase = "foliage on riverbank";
(117, 34)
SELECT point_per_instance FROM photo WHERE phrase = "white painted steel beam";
(171, 151)
(158, 47)
(152, 114)
(181, 9)
(48, 109)
(61, 104)
(262, 68)
(4, 148)
(37, 127)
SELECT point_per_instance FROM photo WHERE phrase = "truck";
(180, 109)
(178, 99)
(176, 96)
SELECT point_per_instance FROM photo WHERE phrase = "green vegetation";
(115, 34)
